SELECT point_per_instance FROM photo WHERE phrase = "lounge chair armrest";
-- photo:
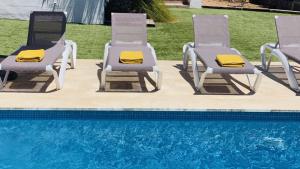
(187, 46)
(73, 46)
(257, 71)
(237, 51)
(190, 44)
(105, 56)
(271, 46)
(150, 46)
(152, 51)
(185, 49)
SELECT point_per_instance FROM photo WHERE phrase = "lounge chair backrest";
(211, 30)
(288, 31)
(46, 28)
(129, 29)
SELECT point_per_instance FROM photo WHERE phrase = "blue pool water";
(185, 142)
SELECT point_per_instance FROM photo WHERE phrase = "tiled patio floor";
(132, 90)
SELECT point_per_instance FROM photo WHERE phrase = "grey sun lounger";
(212, 38)
(46, 31)
(129, 33)
(287, 48)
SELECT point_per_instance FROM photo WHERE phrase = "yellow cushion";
(31, 55)
(228, 60)
(131, 57)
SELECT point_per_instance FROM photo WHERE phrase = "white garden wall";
(79, 11)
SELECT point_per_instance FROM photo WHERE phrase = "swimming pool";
(144, 139)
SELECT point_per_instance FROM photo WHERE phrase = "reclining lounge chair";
(212, 38)
(287, 48)
(129, 33)
(46, 31)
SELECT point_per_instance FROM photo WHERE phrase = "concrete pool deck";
(134, 91)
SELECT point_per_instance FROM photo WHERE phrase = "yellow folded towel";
(230, 60)
(31, 56)
(131, 57)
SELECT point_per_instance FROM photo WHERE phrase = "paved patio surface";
(132, 90)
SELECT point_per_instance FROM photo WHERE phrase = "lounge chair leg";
(195, 68)
(158, 78)
(257, 81)
(103, 76)
(185, 57)
(203, 77)
(50, 70)
(74, 55)
(249, 82)
(63, 66)
(56, 78)
(263, 57)
(103, 80)
(6, 77)
(269, 63)
(3, 83)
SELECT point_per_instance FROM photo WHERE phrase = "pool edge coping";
(150, 110)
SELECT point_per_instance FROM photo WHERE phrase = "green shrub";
(155, 9)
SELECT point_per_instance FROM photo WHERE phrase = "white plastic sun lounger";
(129, 32)
(287, 48)
(46, 31)
(211, 39)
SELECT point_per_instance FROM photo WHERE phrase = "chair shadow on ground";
(215, 84)
(31, 82)
(126, 81)
(278, 74)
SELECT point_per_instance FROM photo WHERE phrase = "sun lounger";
(211, 39)
(46, 31)
(287, 48)
(129, 33)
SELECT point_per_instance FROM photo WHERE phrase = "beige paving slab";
(132, 90)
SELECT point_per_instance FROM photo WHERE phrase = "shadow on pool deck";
(126, 81)
(215, 84)
(278, 74)
(81, 90)
(31, 82)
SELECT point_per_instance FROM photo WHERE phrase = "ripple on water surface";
(148, 144)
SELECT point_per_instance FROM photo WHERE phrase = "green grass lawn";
(249, 30)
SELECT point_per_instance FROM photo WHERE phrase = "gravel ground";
(228, 4)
